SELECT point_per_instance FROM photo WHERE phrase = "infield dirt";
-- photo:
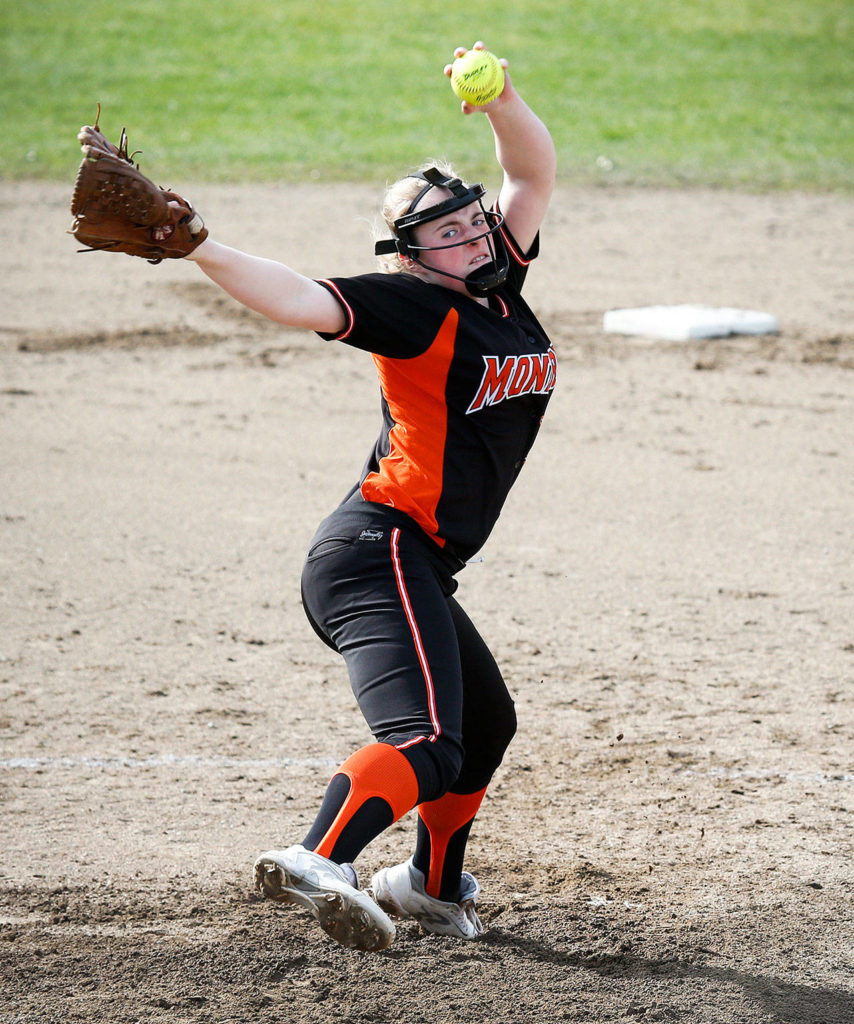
(669, 591)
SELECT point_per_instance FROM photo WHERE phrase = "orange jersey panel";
(410, 476)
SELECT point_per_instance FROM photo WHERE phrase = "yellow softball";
(477, 77)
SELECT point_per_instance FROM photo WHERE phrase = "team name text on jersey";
(533, 373)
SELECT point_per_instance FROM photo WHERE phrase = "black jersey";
(464, 388)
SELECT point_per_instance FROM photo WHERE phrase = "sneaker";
(330, 891)
(400, 891)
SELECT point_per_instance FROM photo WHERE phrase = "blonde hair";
(396, 202)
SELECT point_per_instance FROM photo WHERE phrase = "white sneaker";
(400, 891)
(330, 891)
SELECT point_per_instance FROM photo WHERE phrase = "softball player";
(466, 372)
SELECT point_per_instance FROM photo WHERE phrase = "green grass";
(752, 93)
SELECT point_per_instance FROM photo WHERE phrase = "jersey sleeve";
(392, 315)
(519, 260)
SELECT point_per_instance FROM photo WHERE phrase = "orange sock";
(378, 781)
(444, 819)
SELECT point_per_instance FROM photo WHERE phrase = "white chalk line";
(41, 764)
(197, 761)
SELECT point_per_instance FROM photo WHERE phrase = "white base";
(681, 323)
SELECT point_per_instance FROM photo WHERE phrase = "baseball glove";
(117, 209)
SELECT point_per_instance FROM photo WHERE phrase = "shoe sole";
(348, 916)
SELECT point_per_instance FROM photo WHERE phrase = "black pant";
(379, 592)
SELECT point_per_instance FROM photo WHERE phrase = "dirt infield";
(670, 592)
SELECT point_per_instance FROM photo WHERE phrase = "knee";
(493, 741)
(486, 741)
(503, 731)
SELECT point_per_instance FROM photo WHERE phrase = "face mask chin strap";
(485, 278)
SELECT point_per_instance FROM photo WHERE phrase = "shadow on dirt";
(782, 1002)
